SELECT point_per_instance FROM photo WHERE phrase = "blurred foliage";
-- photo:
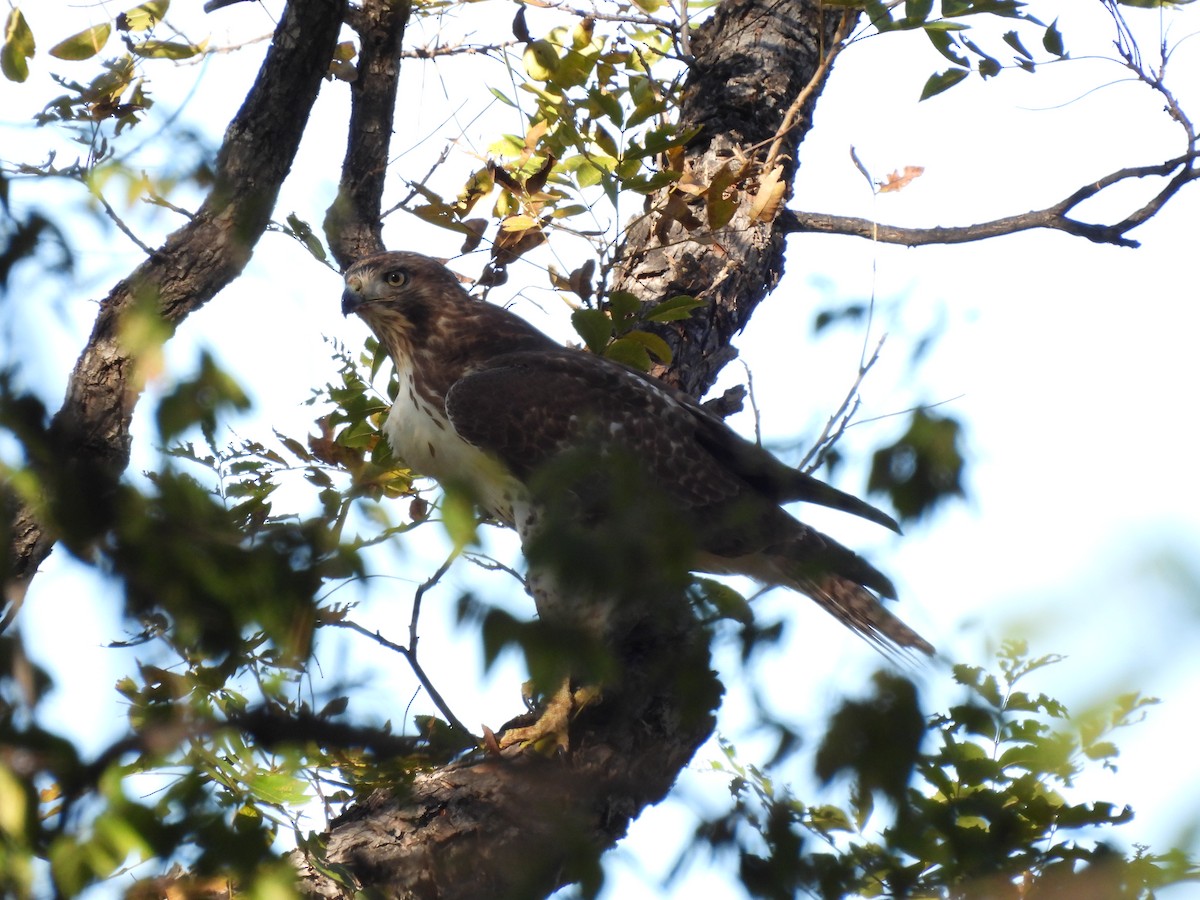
(226, 588)
(923, 468)
(974, 802)
(224, 596)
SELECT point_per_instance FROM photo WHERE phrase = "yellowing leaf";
(144, 17)
(540, 60)
(765, 205)
(899, 180)
(520, 222)
(14, 804)
(83, 45)
(168, 49)
(18, 47)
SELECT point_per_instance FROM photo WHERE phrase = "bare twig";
(411, 659)
(1054, 217)
(455, 50)
(792, 116)
(920, 407)
(419, 595)
(841, 418)
(119, 222)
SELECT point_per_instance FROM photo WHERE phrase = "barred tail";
(862, 612)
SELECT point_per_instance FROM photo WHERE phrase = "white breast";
(423, 438)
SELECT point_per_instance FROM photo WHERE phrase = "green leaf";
(594, 327)
(499, 96)
(540, 60)
(588, 175)
(1014, 40)
(278, 788)
(917, 11)
(18, 49)
(83, 45)
(654, 345)
(303, 232)
(942, 81)
(631, 353)
(673, 310)
(623, 304)
(1052, 40)
(167, 49)
(879, 14)
(923, 468)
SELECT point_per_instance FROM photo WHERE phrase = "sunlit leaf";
(771, 188)
(897, 181)
(168, 49)
(540, 60)
(84, 45)
(143, 17)
(18, 48)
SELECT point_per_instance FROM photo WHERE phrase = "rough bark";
(752, 61)
(523, 826)
(90, 432)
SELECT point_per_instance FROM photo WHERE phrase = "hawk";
(486, 400)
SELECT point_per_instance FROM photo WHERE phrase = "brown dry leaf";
(511, 242)
(475, 229)
(581, 280)
(535, 182)
(766, 202)
(535, 134)
(900, 180)
(675, 209)
(722, 196)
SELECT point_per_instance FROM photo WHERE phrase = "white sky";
(1072, 365)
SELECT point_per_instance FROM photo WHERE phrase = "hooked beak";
(351, 301)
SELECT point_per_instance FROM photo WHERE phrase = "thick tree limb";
(352, 224)
(759, 67)
(524, 826)
(1056, 217)
(91, 429)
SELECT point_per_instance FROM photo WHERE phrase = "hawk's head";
(398, 282)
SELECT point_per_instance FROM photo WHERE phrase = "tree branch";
(91, 429)
(523, 826)
(1056, 217)
(759, 67)
(352, 223)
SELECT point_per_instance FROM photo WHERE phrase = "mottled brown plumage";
(486, 399)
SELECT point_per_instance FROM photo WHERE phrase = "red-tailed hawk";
(486, 400)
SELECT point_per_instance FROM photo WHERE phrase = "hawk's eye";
(396, 278)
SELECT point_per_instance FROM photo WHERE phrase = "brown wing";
(527, 408)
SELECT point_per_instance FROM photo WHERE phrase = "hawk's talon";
(550, 733)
